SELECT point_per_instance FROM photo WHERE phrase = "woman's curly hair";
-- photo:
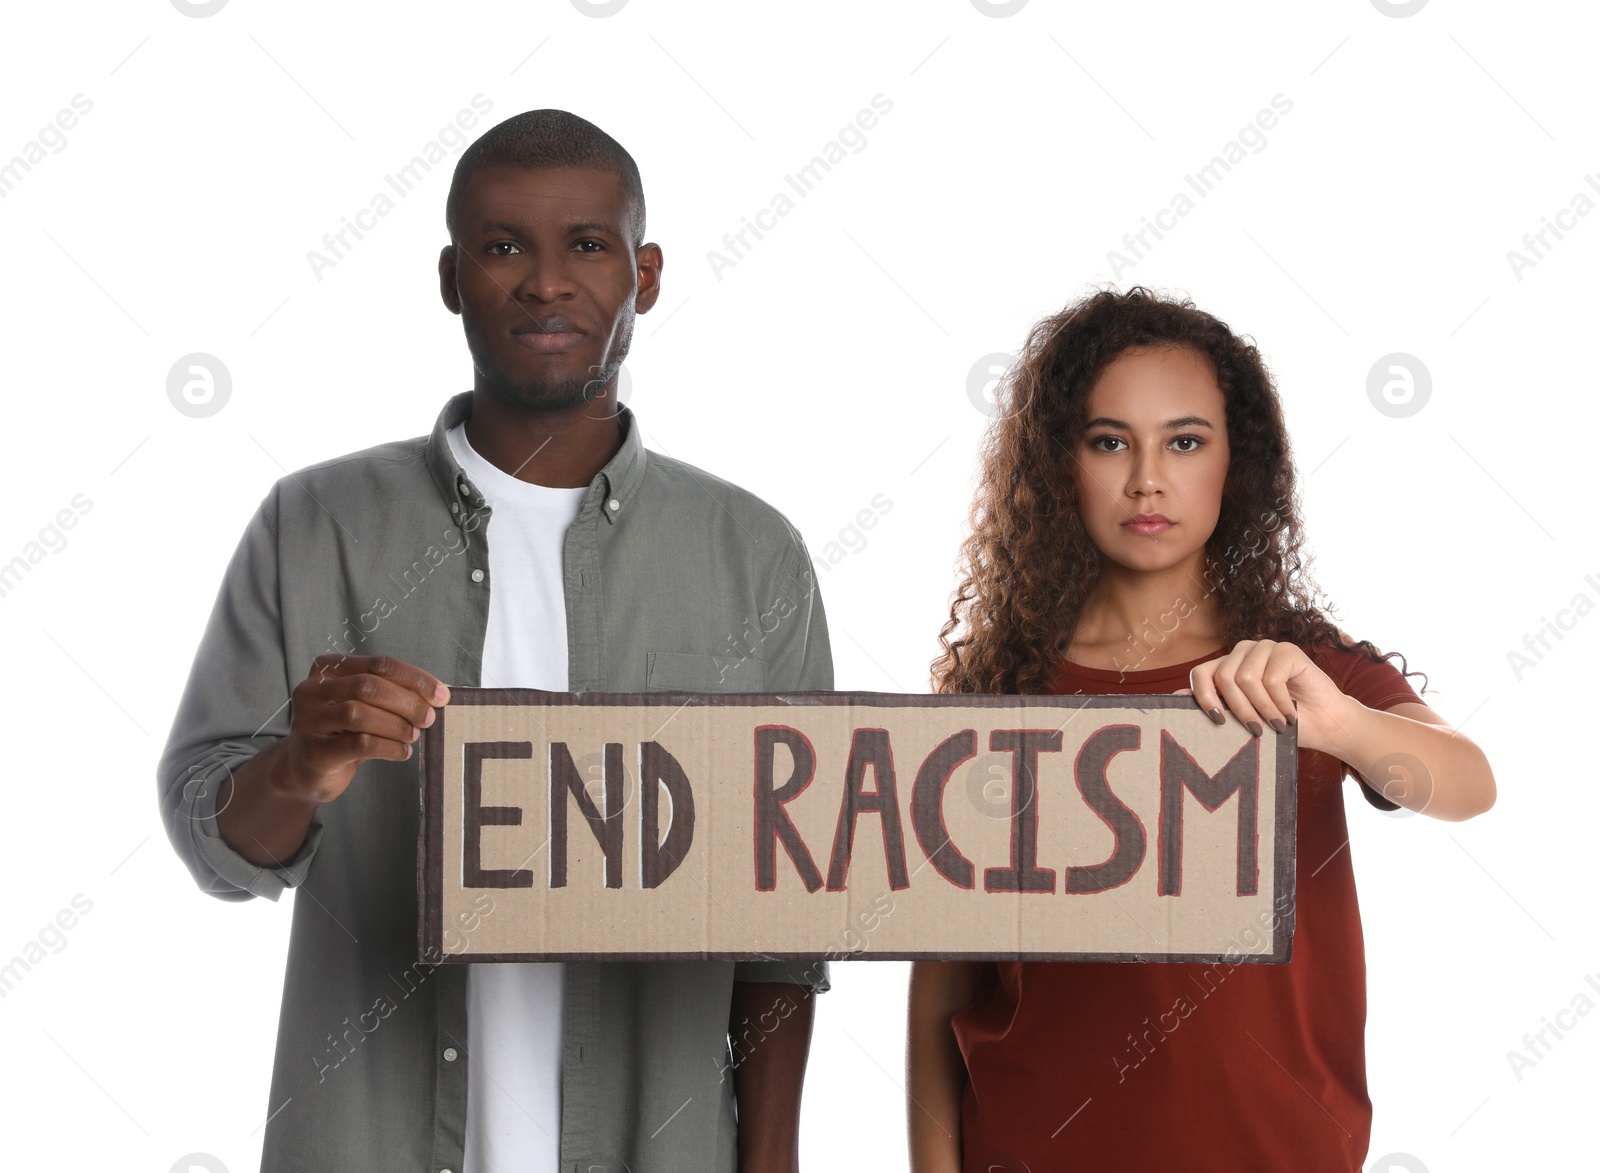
(1029, 564)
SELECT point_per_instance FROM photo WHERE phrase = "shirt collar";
(616, 483)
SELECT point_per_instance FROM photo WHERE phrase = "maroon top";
(1129, 1066)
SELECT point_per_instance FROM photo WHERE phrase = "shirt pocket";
(700, 672)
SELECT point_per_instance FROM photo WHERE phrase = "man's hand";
(348, 710)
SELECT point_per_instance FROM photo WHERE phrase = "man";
(530, 541)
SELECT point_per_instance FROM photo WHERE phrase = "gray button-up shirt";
(675, 580)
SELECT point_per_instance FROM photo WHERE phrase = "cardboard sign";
(596, 826)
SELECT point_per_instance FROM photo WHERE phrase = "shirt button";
(449, 1054)
(455, 507)
(465, 491)
(477, 576)
(614, 504)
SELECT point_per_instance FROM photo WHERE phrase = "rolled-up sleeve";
(235, 704)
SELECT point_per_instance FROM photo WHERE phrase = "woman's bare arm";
(936, 1075)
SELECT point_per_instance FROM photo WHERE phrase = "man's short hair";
(548, 138)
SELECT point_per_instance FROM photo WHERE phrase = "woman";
(1136, 530)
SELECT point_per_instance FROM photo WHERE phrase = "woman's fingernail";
(1280, 724)
(1216, 716)
(1254, 727)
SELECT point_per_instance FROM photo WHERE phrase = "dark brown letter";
(1180, 772)
(476, 816)
(869, 747)
(927, 806)
(657, 859)
(1127, 848)
(772, 822)
(607, 828)
(1025, 746)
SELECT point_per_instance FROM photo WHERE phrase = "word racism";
(1565, 218)
(449, 141)
(1538, 1044)
(802, 183)
(870, 751)
(1202, 183)
(1538, 643)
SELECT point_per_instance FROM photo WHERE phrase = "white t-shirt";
(514, 1008)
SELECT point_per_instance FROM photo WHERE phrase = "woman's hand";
(1266, 680)
(1276, 683)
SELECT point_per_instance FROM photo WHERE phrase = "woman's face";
(1153, 459)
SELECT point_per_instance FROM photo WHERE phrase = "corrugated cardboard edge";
(430, 834)
(430, 839)
(1285, 806)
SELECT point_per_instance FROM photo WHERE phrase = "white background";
(827, 366)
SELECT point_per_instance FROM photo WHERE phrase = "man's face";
(546, 284)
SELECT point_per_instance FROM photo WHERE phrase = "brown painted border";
(430, 840)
